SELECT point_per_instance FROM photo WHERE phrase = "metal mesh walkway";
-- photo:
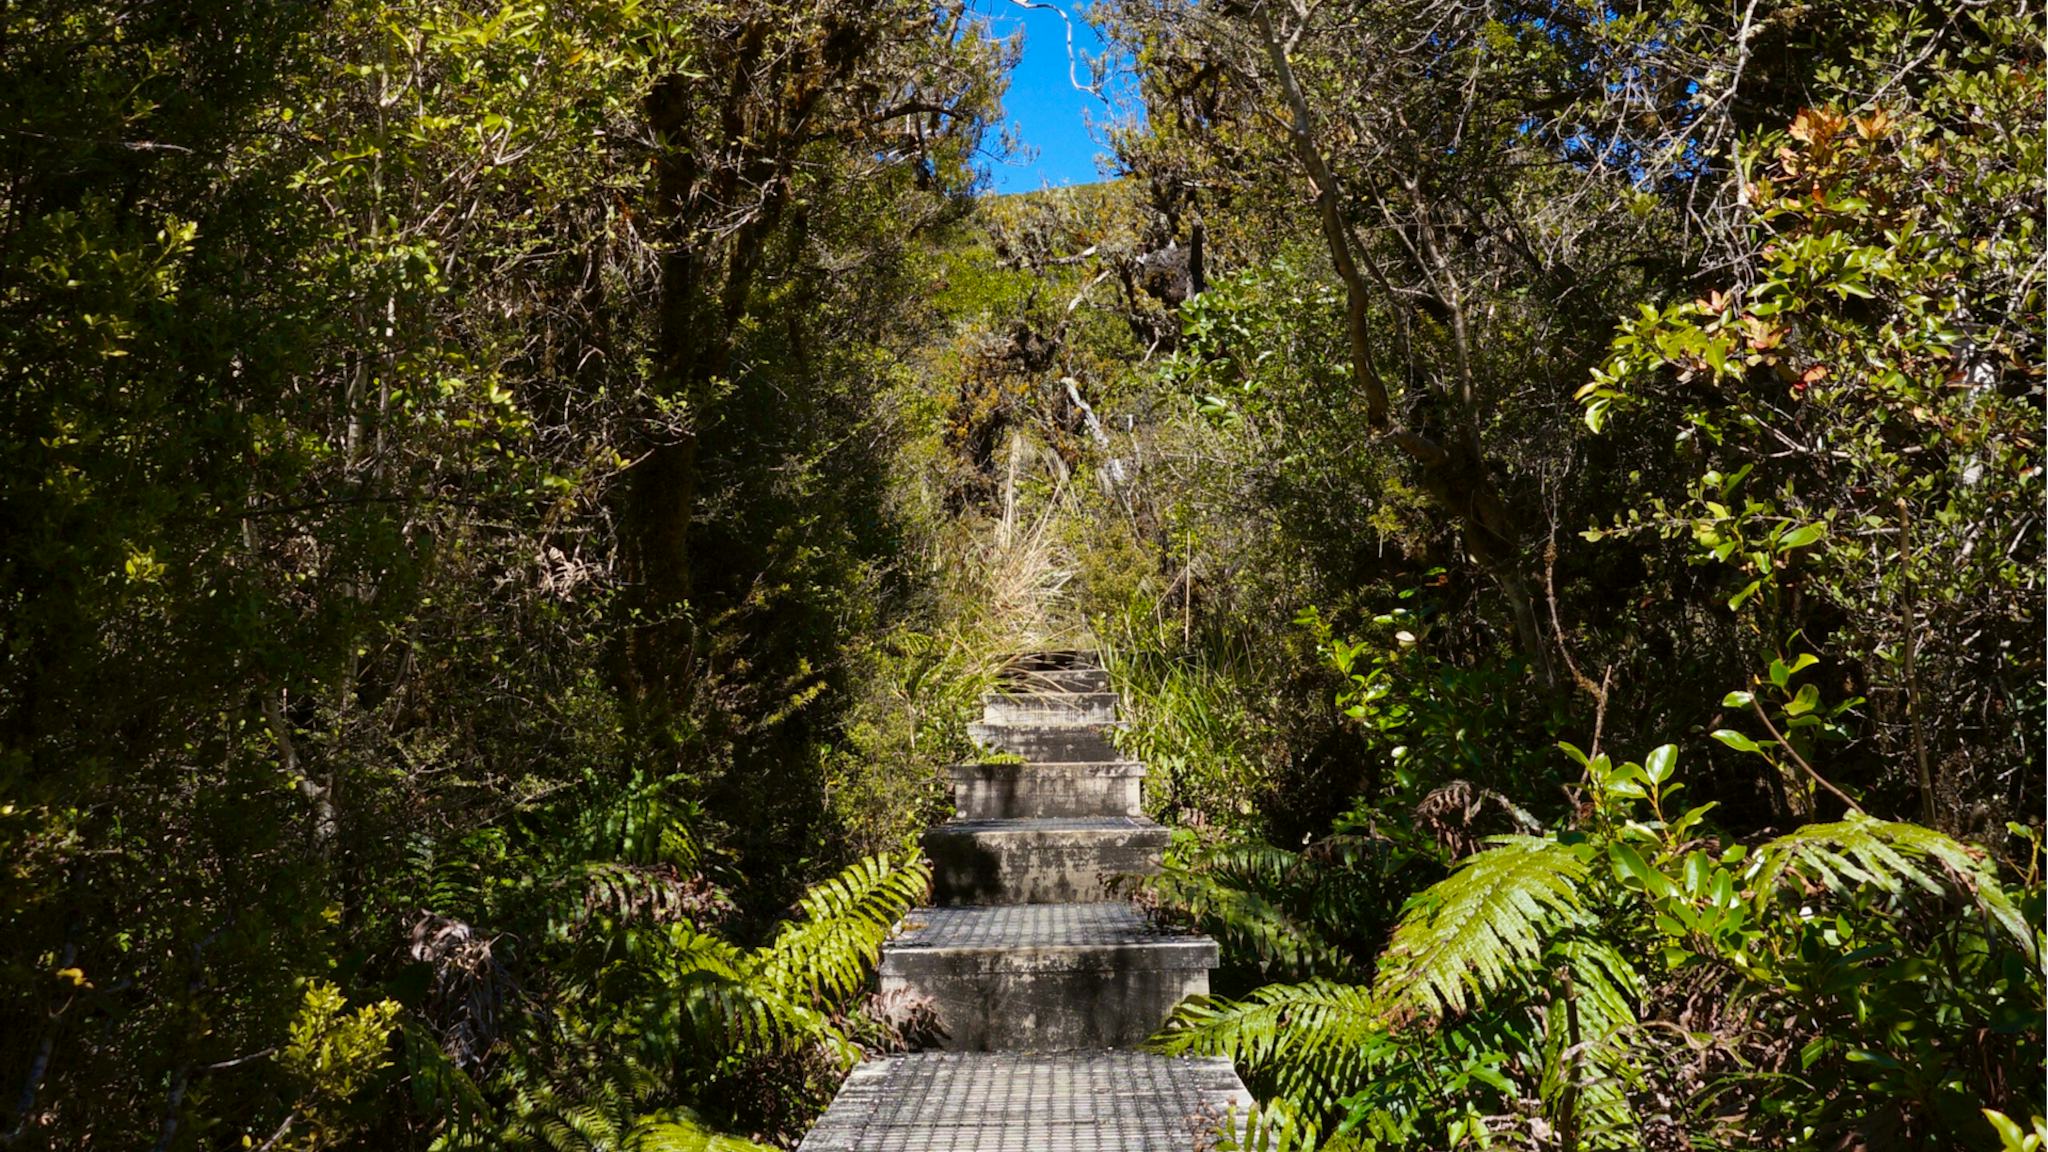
(1052, 824)
(1033, 926)
(1012, 967)
(1020, 1102)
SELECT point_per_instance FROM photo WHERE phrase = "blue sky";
(1044, 105)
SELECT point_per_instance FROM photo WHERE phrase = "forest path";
(1044, 983)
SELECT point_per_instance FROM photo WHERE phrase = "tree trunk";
(661, 489)
(1456, 480)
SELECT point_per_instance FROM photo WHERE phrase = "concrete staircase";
(1042, 979)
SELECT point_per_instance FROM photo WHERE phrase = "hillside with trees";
(509, 510)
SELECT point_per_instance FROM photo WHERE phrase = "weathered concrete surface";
(1050, 708)
(1052, 861)
(1030, 953)
(1054, 1011)
(1054, 660)
(1021, 680)
(1023, 1102)
(1046, 976)
(1048, 743)
(1031, 791)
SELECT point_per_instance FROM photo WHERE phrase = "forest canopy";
(508, 510)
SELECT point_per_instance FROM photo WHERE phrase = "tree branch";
(1335, 231)
(1758, 708)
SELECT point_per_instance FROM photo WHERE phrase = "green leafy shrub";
(334, 1054)
(1857, 410)
(1189, 719)
(1637, 977)
(659, 1024)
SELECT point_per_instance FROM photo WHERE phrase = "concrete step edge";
(1047, 715)
(1041, 726)
(1133, 1101)
(1124, 829)
(1105, 769)
(1058, 679)
(1054, 696)
(1062, 659)
(1195, 952)
(1034, 694)
(1104, 726)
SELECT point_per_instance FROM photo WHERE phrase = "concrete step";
(1029, 968)
(1050, 708)
(1053, 660)
(1048, 743)
(1046, 976)
(1031, 1102)
(1054, 680)
(1050, 861)
(1036, 791)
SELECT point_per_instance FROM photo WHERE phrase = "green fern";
(786, 995)
(644, 824)
(592, 1110)
(685, 1008)
(1319, 1042)
(600, 1111)
(1588, 1063)
(827, 955)
(1607, 987)
(1242, 908)
(1288, 915)
(729, 1008)
(1316, 1042)
(1889, 855)
(1517, 960)
(678, 1130)
(1247, 923)
(1472, 932)
(1275, 1126)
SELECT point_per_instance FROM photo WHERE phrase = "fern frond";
(1246, 921)
(1607, 986)
(718, 990)
(581, 1128)
(1271, 1127)
(645, 824)
(1350, 880)
(691, 951)
(438, 1082)
(1251, 863)
(1466, 935)
(596, 1109)
(825, 957)
(784, 995)
(1587, 1068)
(745, 1018)
(1317, 1041)
(454, 880)
(677, 1130)
(592, 1115)
(1890, 855)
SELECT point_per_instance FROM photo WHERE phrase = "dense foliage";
(379, 768)
(508, 507)
(1538, 375)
